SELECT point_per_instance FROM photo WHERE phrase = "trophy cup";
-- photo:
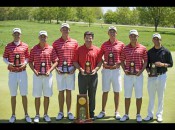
(82, 111)
(132, 70)
(17, 61)
(88, 69)
(42, 68)
(65, 68)
(153, 70)
(110, 59)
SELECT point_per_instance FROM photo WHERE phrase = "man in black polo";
(158, 57)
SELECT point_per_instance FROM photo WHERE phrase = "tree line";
(147, 16)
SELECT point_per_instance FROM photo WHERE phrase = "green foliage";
(30, 33)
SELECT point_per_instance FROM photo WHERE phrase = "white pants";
(42, 84)
(133, 81)
(18, 79)
(65, 81)
(111, 76)
(156, 84)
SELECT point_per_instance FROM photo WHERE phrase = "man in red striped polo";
(133, 61)
(65, 48)
(42, 61)
(111, 50)
(88, 77)
(16, 56)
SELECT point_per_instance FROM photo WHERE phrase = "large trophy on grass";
(153, 70)
(17, 61)
(82, 109)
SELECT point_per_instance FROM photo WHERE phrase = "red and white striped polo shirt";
(116, 48)
(11, 50)
(84, 54)
(65, 50)
(138, 54)
(39, 55)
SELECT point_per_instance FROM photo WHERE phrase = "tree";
(171, 16)
(65, 13)
(4, 13)
(123, 15)
(89, 15)
(109, 17)
(152, 15)
(134, 17)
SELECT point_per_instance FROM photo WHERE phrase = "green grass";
(30, 35)
(30, 32)
(5, 107)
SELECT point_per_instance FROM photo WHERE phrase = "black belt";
(161, 73)
(16, 71)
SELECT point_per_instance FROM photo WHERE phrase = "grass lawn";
(5, 108)
(30, 32)
(30, 35)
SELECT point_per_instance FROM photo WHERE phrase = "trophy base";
(83, 121)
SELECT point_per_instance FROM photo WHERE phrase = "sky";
(108, 8)
(105, 9)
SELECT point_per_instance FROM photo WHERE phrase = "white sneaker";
(36, 119)
(138, 118)
(101, 115)
(159, 119)
(28, 119)
(148, 118)
(117, 116)
(46, 118)
(70, 116)
(60, 116)
(124, 118)
(12, 119)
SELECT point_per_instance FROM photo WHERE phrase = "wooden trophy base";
(83, 121)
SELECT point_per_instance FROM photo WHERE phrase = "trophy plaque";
(65, 68)
(42, 68)
(82, 109)
(111, 59)
(132, 70)
(88, 69)
(153, 70)
(17, 61)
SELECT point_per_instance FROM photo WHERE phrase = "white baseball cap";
(112, 27)
(43, 33)
(133, 31)
(157, 35)
(65, 25)
(16, 30)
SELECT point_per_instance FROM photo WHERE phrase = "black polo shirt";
(160, 55)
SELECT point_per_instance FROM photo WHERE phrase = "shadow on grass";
(160, 32)
(105, 120)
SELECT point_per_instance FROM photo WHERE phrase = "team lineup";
(65, 56)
